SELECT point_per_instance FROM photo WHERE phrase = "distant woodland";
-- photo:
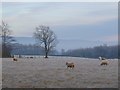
(20, 49)
(95, 52)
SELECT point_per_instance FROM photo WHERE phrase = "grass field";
(53, 73)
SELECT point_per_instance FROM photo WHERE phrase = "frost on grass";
(53, 73)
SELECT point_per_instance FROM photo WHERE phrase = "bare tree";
(7, 40)
(46, 38)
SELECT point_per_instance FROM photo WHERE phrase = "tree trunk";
(46, 51)
(46, 54)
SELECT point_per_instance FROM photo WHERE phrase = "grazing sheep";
(103, 61)
(14, 59)
(70, 65)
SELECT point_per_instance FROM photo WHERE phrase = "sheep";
(14, 59)
(104, 61)
(70, 65)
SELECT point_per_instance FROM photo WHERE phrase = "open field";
(52, 73)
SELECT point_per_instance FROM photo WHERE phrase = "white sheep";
(104, 61)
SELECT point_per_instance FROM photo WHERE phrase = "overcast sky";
(92, 21)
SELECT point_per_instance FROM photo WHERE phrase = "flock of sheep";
(104, 61)
(71, 65)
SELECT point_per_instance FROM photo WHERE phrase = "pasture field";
(53, 73)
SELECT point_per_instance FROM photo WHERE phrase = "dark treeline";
(95, 52)
(20, 49)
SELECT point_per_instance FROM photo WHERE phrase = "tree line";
(31, 49)
(95, 52)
